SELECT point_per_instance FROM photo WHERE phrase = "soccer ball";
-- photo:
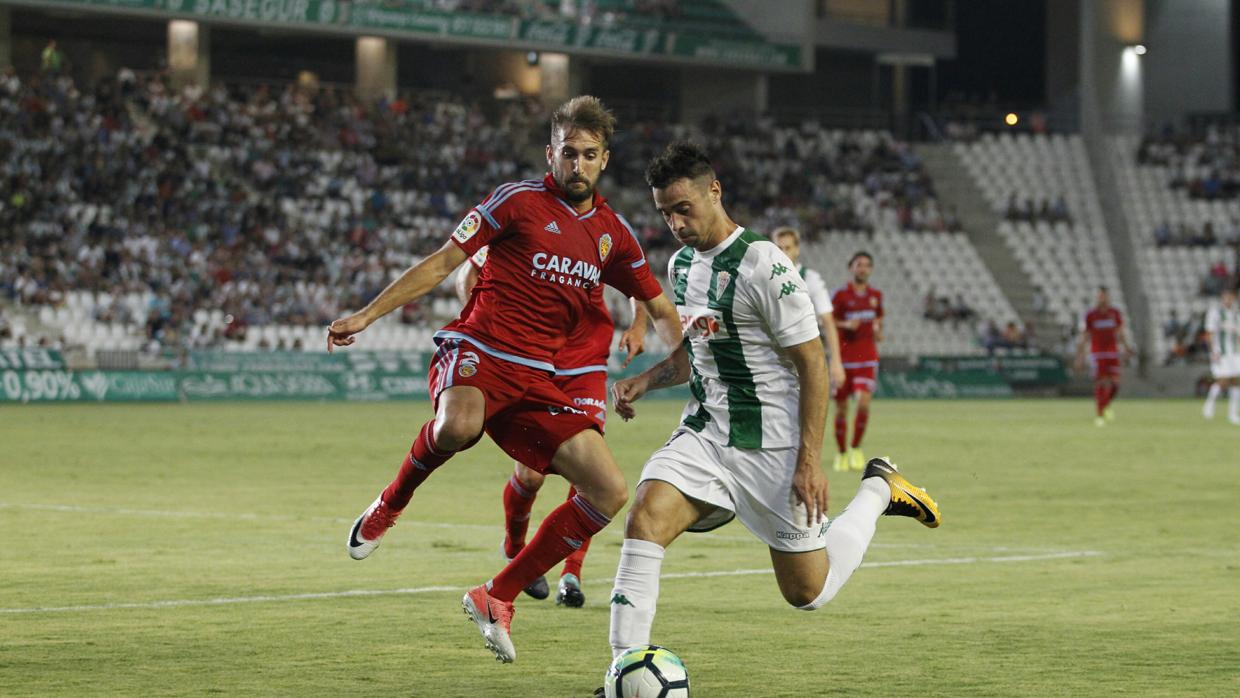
(649, 671)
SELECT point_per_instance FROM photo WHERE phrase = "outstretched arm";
(416, 282)
(666, 320)
(633, 340)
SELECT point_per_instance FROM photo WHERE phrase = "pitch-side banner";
(395, 17)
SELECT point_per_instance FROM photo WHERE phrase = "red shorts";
(859, 379)
(527, 414)
(588, 391)
(1104, 368)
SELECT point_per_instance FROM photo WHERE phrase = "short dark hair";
(862, 253)
(586, 113)
(680, 160)
(1104, 289)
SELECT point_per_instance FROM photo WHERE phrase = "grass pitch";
(199, 549)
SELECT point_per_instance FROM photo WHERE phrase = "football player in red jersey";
(581, 372)
(1103, 328)
(552, 244)
(859, 318)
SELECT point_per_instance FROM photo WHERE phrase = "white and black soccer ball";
(648, 671)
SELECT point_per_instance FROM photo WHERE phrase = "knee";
(611, 496)
(803, 598)
(530, 480)
(645, 524)
(457, 431)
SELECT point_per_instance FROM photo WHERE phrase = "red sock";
(1100, 397)
(564, 530)
(1111, 392)
(572, 563)
(863, 418)
(422, 460)
(841, 425)
(517, 503)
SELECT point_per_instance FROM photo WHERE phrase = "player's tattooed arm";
(673, 370)
(670, 371)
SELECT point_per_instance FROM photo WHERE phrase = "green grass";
(116, 508)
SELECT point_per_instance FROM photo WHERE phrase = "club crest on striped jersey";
(468, 228)
(722, 279)
(604, 247)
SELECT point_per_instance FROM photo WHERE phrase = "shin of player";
(755, 453)
(858, 310)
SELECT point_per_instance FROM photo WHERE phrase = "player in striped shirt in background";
(749, 444)
(1223, 334)
(789, 241)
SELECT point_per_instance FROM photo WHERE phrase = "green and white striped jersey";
(740, 303)
(1224, 325)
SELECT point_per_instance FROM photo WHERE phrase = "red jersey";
(1104, 327)
(544, 272)
(589, 346)
(857, 347)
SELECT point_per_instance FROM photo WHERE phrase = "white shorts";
(1226, 367)
(753, 484)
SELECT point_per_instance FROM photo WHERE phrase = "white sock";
(1211, 396)
(849, 535)
(1233, 402)
(635, 594)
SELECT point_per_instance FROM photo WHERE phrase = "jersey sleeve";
(626, 269)
(1212, 321)
(486, 221)
(479, 258)
(818, 293)
(780, 296)
(878, 310)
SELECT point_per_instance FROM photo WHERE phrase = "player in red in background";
(553, 243)
(859, 318)
(1103, 327)
(581, 372)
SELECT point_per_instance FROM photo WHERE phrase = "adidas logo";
(552, 228)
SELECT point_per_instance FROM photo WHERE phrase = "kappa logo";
(552, 228)
(469, 364)
(468, 228)
(604, 247)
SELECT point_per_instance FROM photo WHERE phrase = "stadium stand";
(1053, 224)
(1179, 199)
(247, 217)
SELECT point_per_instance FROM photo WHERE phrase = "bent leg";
(601, 492)
(809, 580)
(456, 426)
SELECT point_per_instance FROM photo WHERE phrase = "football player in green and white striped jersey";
(749, 442)
(1223, 333)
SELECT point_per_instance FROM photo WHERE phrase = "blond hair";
(586, 113)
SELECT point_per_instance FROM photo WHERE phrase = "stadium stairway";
(954, 186)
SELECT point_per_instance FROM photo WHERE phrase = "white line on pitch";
(611, 530)
(175, 603)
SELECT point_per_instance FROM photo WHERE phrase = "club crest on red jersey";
(604, 247)
(873, 302)
(468, 228)
(469, 364)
